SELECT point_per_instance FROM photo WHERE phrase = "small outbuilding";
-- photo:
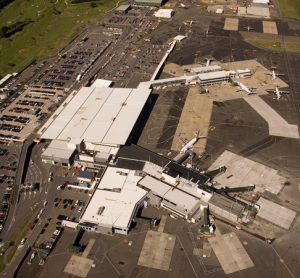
(219, 11)
(123, 9)
(261, 2)
(164, 13)
(153, 3)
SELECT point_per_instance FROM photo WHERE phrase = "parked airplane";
(274, 74)
(190, 22)
(248, 28)
(183, 6)
(278, 92)
(188, 145)
(244, 88)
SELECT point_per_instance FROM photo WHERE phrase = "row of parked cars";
(4, 207)
(3, 152)
(6, 179)
(69, 203)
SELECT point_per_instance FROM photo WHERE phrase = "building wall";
(59, 161)
(121, 231)
(223, 213)
(104, 230)
(109, 230)
(149, 3)
(173, 208)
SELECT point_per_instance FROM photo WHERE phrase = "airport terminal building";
(114, 203)
(93, 120)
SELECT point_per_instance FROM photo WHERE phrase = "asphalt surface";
(237, 128)
(16, 190)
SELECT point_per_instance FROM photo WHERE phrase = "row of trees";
(4, 3)
(7, 31)
(95, 2)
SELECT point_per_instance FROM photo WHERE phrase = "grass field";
(55, 23)
(290, 8)
(289, 46)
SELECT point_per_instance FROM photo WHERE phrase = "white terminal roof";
(206, 69)
(101, 83)
(261, 1)
(97, 115)
(167, 13)
(59, 149)
(213, 75)
(181, 199)
(158, 187)
(113, 208)
(118, 178)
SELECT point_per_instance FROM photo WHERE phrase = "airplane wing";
(184, 141)
(270, 91)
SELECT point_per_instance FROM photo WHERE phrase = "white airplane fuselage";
(243, 87)
(208, 62)
(277, 92)
(189, 145)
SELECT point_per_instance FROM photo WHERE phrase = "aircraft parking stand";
(78, 266)
(231, 24)
(270, 27)
(195, 116)
(278, 215)
(230, 253)
(243, 171)
(157, 250)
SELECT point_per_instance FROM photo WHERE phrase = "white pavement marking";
(243, 171)
(272, 212)
(270, 27)
(277, 125)
(230, 253)
(157, 250)
(231, 24)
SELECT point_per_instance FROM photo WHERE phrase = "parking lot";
(116, 50)
(137, 59)
(73, 63)
(67, 204)
(8, 166)
(25, 113)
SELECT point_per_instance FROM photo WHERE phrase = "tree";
(93, 5)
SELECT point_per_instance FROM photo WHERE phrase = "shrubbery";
(7, 31)
(4, 3)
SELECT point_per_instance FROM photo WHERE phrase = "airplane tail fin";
(197, 134)
(208, 61)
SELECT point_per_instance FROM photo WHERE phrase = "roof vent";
(100, 210)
